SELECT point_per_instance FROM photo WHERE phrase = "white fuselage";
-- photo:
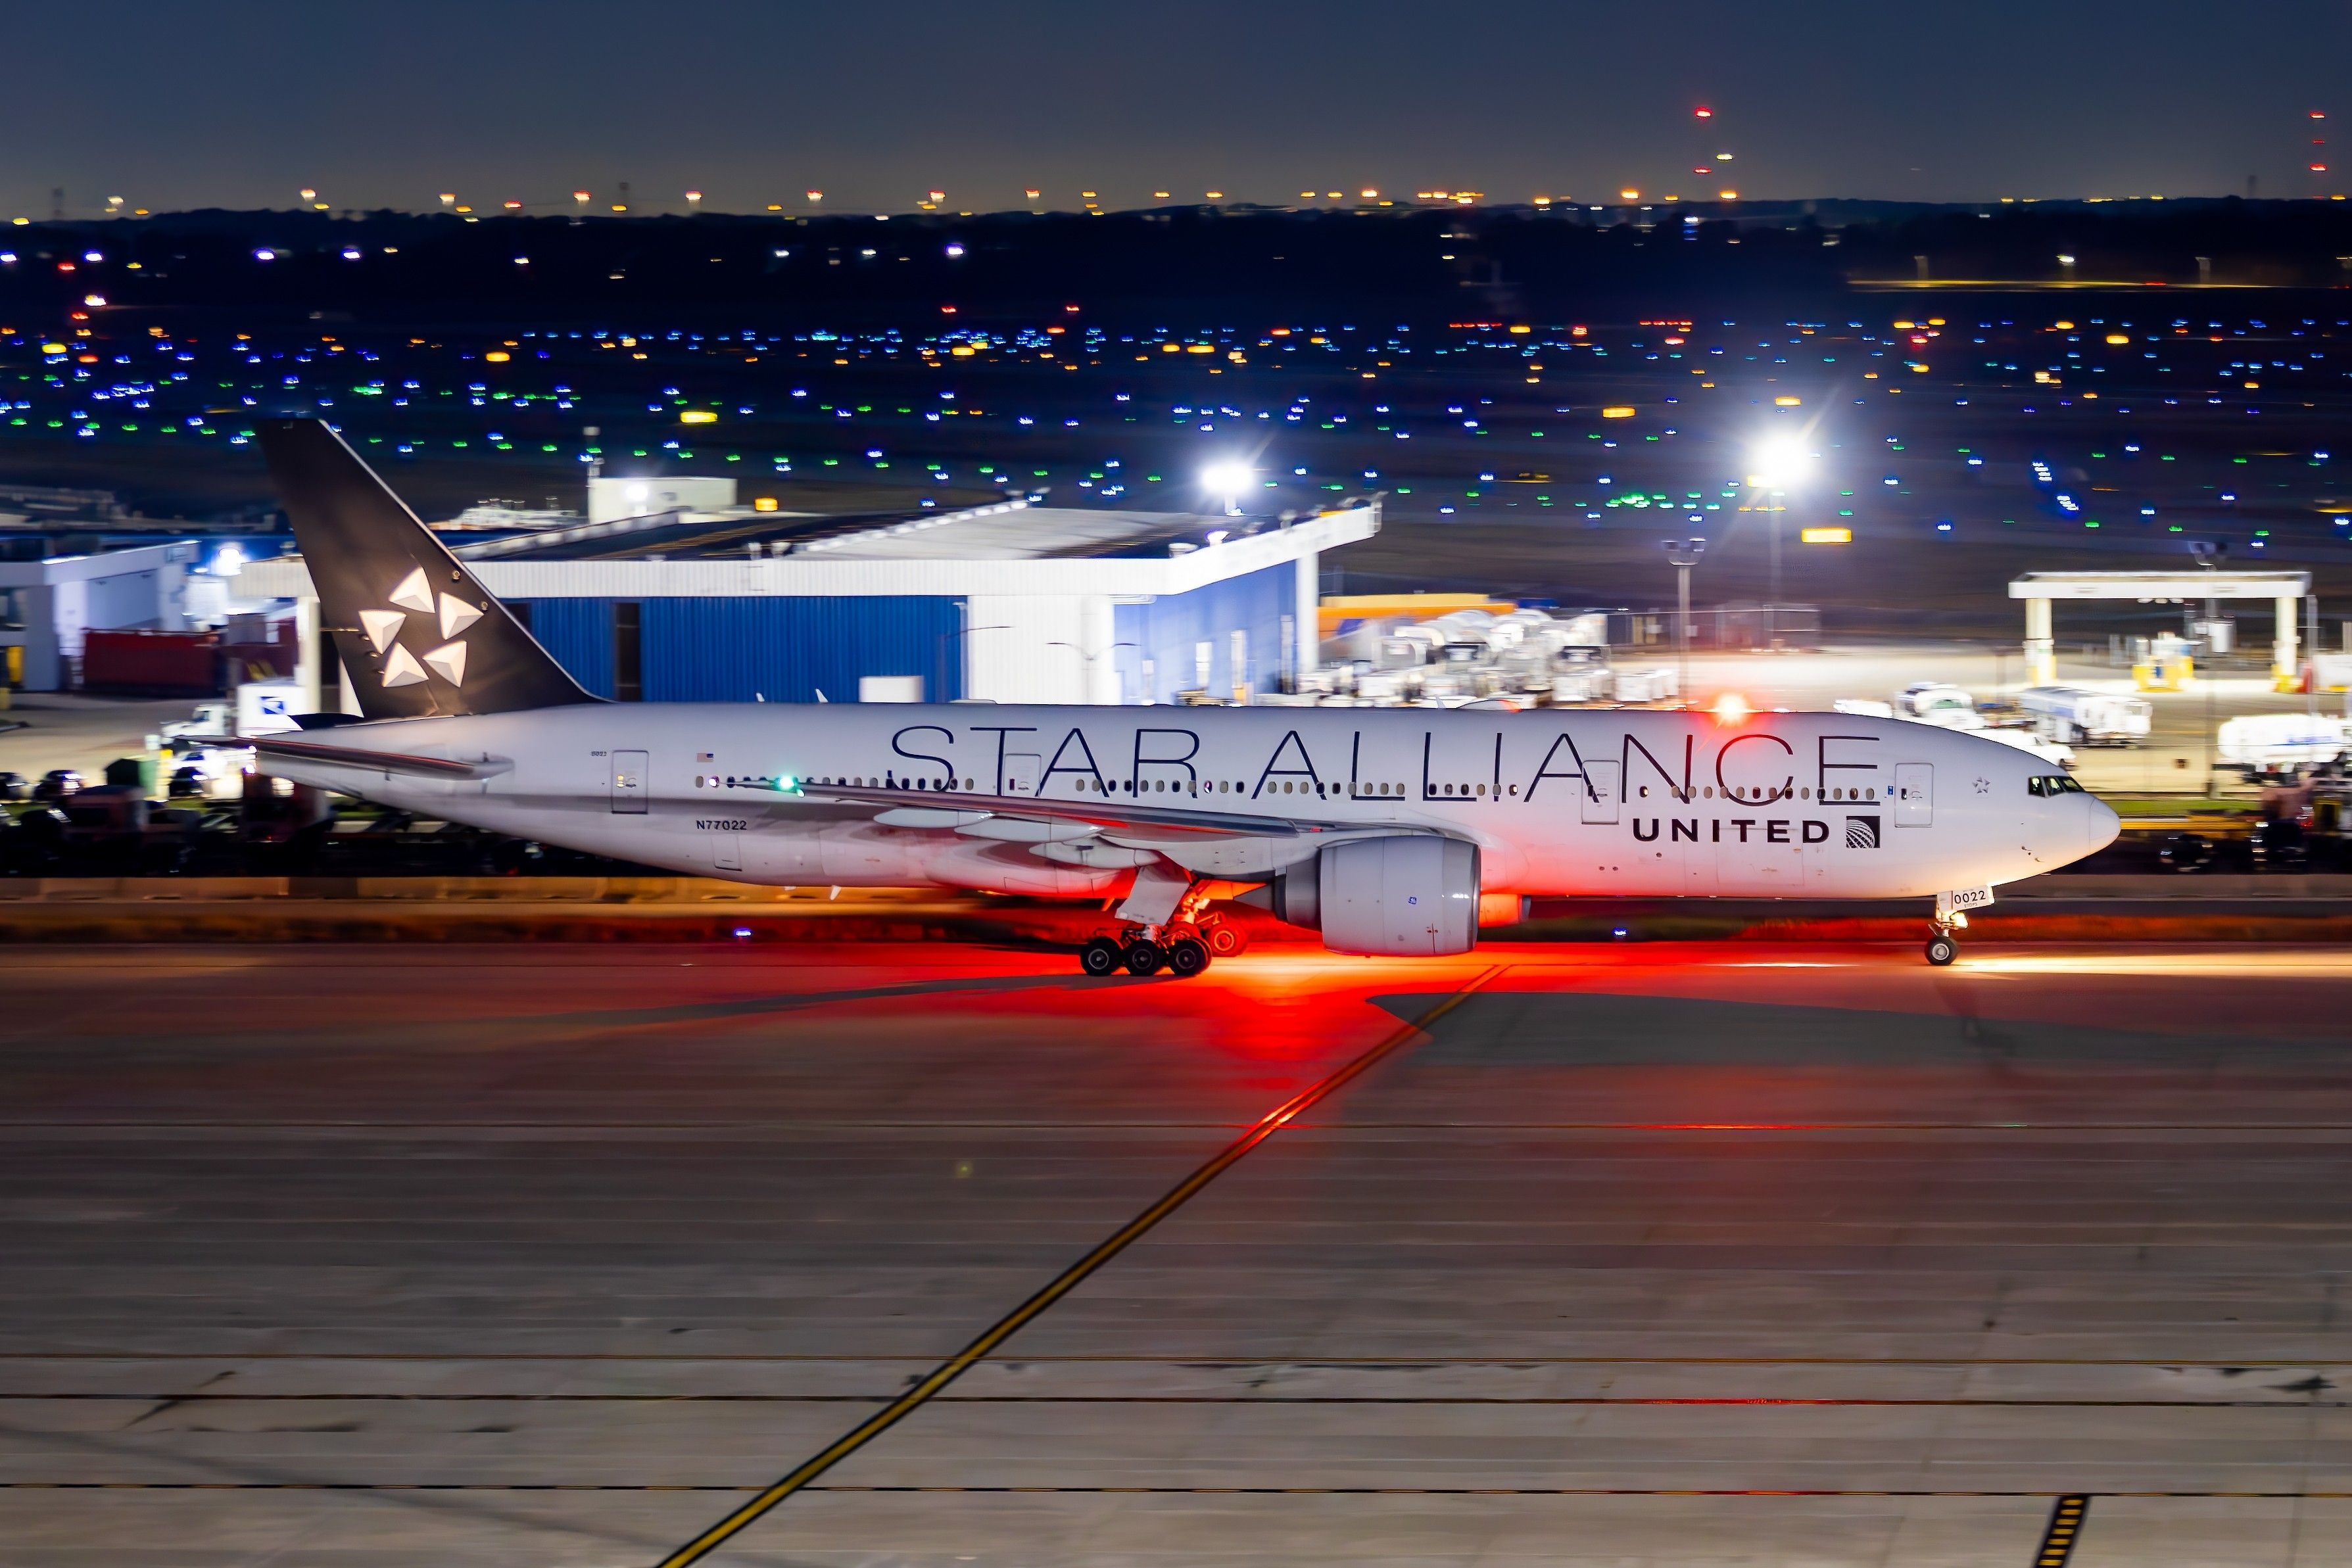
(1609, 802)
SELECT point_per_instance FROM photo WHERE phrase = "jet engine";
(1403, 896)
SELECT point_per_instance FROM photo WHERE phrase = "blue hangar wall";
(1169, 633)
(734, 650)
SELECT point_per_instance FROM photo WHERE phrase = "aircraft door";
(1599, 795)
(1915, 795)
(629, 792)
(1021, 772)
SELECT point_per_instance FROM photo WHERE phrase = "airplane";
(1380, 828)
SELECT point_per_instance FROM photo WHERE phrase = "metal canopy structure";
(2284, 590)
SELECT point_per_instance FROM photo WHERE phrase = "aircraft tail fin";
(418, 633)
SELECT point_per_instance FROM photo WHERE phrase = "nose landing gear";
(1942, 948)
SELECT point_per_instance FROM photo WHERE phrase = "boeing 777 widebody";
(1379, 827)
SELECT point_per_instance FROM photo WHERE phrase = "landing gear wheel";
(1224, 941)
(1187, 958)
(1100, 956)
(1942, 949)
(1144, 957)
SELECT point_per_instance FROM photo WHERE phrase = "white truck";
(2076, 716)
(2271, 744)
(1949, 707)
(1932, 702)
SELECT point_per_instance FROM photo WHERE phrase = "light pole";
(1682, 555)
(944, 638)
(1782, 462)
(1089, 658)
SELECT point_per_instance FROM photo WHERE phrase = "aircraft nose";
(2100, 824)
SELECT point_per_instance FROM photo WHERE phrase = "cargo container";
(151, 663)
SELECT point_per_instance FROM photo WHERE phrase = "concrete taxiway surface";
(363, 1255)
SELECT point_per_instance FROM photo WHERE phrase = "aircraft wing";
(1113, 819)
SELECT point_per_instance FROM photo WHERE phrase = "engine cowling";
(1406, 896)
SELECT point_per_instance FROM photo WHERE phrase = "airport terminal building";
(1008, 602)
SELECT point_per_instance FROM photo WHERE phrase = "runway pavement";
(1671, 1254)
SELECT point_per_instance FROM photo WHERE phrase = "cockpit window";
(2052, 784)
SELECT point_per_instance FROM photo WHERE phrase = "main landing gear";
(1164, 927)
(1183, 950)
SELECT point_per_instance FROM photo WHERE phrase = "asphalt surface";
(1713, 1254)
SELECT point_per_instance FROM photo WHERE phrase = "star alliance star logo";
(415, 595)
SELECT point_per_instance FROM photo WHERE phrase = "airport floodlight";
(1227, 482)
(1779, 462)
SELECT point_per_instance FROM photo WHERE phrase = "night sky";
(755, 101)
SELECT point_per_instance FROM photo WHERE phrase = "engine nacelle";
(1404, 896)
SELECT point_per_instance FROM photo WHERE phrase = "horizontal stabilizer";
(451, 768)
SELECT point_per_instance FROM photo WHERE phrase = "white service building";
(1007, 603)
(46, 606)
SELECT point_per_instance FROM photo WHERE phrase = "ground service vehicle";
(2075, 715)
